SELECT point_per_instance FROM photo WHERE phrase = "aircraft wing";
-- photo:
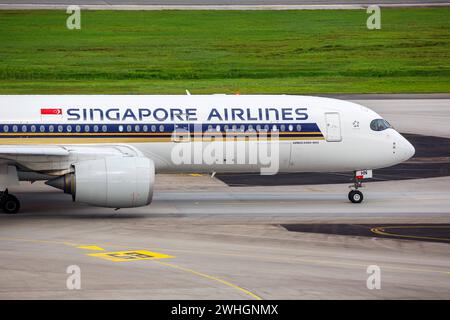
(54, 158)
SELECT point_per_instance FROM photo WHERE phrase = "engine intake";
(116, 182)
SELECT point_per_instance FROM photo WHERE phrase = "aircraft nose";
(406, 149)
(411, 150)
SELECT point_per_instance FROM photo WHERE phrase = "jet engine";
(116, 182)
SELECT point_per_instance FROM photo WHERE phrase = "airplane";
(104, 150)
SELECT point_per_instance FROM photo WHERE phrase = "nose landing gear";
(356, 196)
(8, 202)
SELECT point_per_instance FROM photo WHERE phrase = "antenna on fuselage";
(187, 92)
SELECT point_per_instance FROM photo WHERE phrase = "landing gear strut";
(9, 203)
(356, 196)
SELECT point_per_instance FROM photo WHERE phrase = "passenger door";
(333, 123)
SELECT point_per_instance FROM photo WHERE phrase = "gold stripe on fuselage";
(43, 134)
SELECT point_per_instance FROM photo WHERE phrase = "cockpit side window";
(379, 125)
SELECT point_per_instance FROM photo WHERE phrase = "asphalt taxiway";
(202, 239)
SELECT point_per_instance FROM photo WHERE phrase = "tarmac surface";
(202, 239)
(220, 2)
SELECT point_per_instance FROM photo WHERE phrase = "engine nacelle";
(116, 182)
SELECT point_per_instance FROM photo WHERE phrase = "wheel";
(11, 204)
(355, 196)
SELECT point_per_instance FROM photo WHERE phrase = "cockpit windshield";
(379, 125)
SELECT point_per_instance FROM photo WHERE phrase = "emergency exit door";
(333, 123)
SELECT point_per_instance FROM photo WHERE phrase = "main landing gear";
(356, 196)
(8, 202)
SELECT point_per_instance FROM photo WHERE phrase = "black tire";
(355, 196)
(11, 204)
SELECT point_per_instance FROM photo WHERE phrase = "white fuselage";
(310, 133)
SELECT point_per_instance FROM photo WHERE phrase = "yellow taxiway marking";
(382, 231)
(207, 276)
(94, 248)
(196, 175)
(130, 255)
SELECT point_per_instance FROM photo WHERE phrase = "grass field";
(225, 52)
